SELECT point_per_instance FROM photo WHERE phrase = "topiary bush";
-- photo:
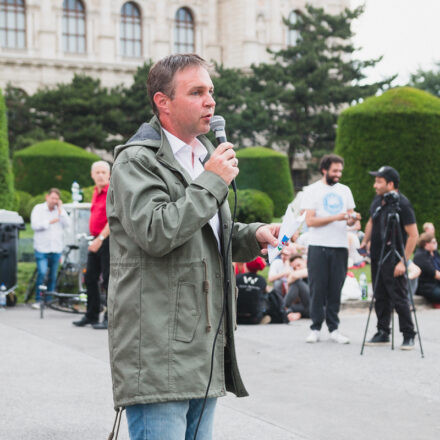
(252, 206)
(22, 199)
(52, 163)
(400, 128)
(7, 200)
(268, 171)
(88, 193)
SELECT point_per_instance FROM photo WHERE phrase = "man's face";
(101, 176)
(382, 186)
(52, 200)
(298, 263)
(334, 173)
(192, 106)
(431, 246)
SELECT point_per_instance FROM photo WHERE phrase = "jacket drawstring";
(206, 290)
(116, 424)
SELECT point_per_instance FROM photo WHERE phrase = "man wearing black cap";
(391, 287)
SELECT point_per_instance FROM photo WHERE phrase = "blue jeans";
(46, 263)
(171, 420)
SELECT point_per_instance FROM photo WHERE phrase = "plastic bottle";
(364, 286)
(2, 296)
(76, 196)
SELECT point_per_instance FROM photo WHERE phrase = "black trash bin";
(10, 223)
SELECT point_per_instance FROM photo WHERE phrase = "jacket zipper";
(206, 291)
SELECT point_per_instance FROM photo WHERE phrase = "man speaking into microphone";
(170, 225)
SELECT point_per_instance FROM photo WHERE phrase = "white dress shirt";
(183, 154)
(48, 237)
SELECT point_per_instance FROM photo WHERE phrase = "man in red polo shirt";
(98, 258)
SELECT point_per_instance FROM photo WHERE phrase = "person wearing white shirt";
(48, 220)
(329, 207)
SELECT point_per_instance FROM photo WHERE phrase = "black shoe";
(408, 343)
(84, 321)
(380, 338)
(101, 325)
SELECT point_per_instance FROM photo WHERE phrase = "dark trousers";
(430, 291)
(298, 298)
(391, 292)
(97, 263)
(327, 268)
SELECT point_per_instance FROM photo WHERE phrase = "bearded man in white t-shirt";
(329, 209)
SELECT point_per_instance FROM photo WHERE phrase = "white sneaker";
(337, 337)
(36, 306)
(313, 337)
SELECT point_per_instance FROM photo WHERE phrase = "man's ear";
(161, 100)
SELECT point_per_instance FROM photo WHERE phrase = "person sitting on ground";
(429, 227)
(428, 259)
(279, 271)
(355, 259)
(251, 301)
(297, 299)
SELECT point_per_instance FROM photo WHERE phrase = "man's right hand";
(223, 162)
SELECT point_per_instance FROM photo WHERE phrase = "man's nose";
(210, 102)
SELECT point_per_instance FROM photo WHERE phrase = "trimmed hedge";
(400, 128)
(252, 206)
(7, 199)
(52, 163)
(22, 199)
(268, 171)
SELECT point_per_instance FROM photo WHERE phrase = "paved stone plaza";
(55, 383)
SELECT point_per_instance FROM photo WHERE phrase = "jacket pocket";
(187, 312)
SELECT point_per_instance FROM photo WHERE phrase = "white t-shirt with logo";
(328, 200)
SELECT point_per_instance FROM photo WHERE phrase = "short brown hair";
(424, 239)
(54, 190)
(327, 161)
(295, 257)
(161, 75)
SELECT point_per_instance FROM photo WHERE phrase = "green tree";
(428, 80)
(134, 103)
(81, 112)
(308, 83)
(241, 108)
(7, 200)
(22, 131)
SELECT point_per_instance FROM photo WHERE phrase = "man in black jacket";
(390, 282)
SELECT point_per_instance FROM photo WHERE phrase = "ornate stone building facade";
(43, 42)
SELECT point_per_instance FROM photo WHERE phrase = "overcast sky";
(405, 32)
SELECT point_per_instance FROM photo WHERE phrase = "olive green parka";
(166, 276)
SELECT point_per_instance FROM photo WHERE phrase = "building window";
(74, 26)
(184, 32)
(130, 30)
(292, 35)
(12, 24)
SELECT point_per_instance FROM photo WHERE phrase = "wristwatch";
(101, 237)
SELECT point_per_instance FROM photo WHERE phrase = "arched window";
(131, 41)
(292, 35)
(74, 26)
(12, 24)
(184, 32)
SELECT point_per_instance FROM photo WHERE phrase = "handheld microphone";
(217, 125)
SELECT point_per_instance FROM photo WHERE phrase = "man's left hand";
(268, 234)
(399, 270)
(95, 245)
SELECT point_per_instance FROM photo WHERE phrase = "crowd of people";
(308, 276)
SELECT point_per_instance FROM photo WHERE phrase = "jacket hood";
(144, 135)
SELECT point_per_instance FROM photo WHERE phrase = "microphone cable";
(226, 285)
